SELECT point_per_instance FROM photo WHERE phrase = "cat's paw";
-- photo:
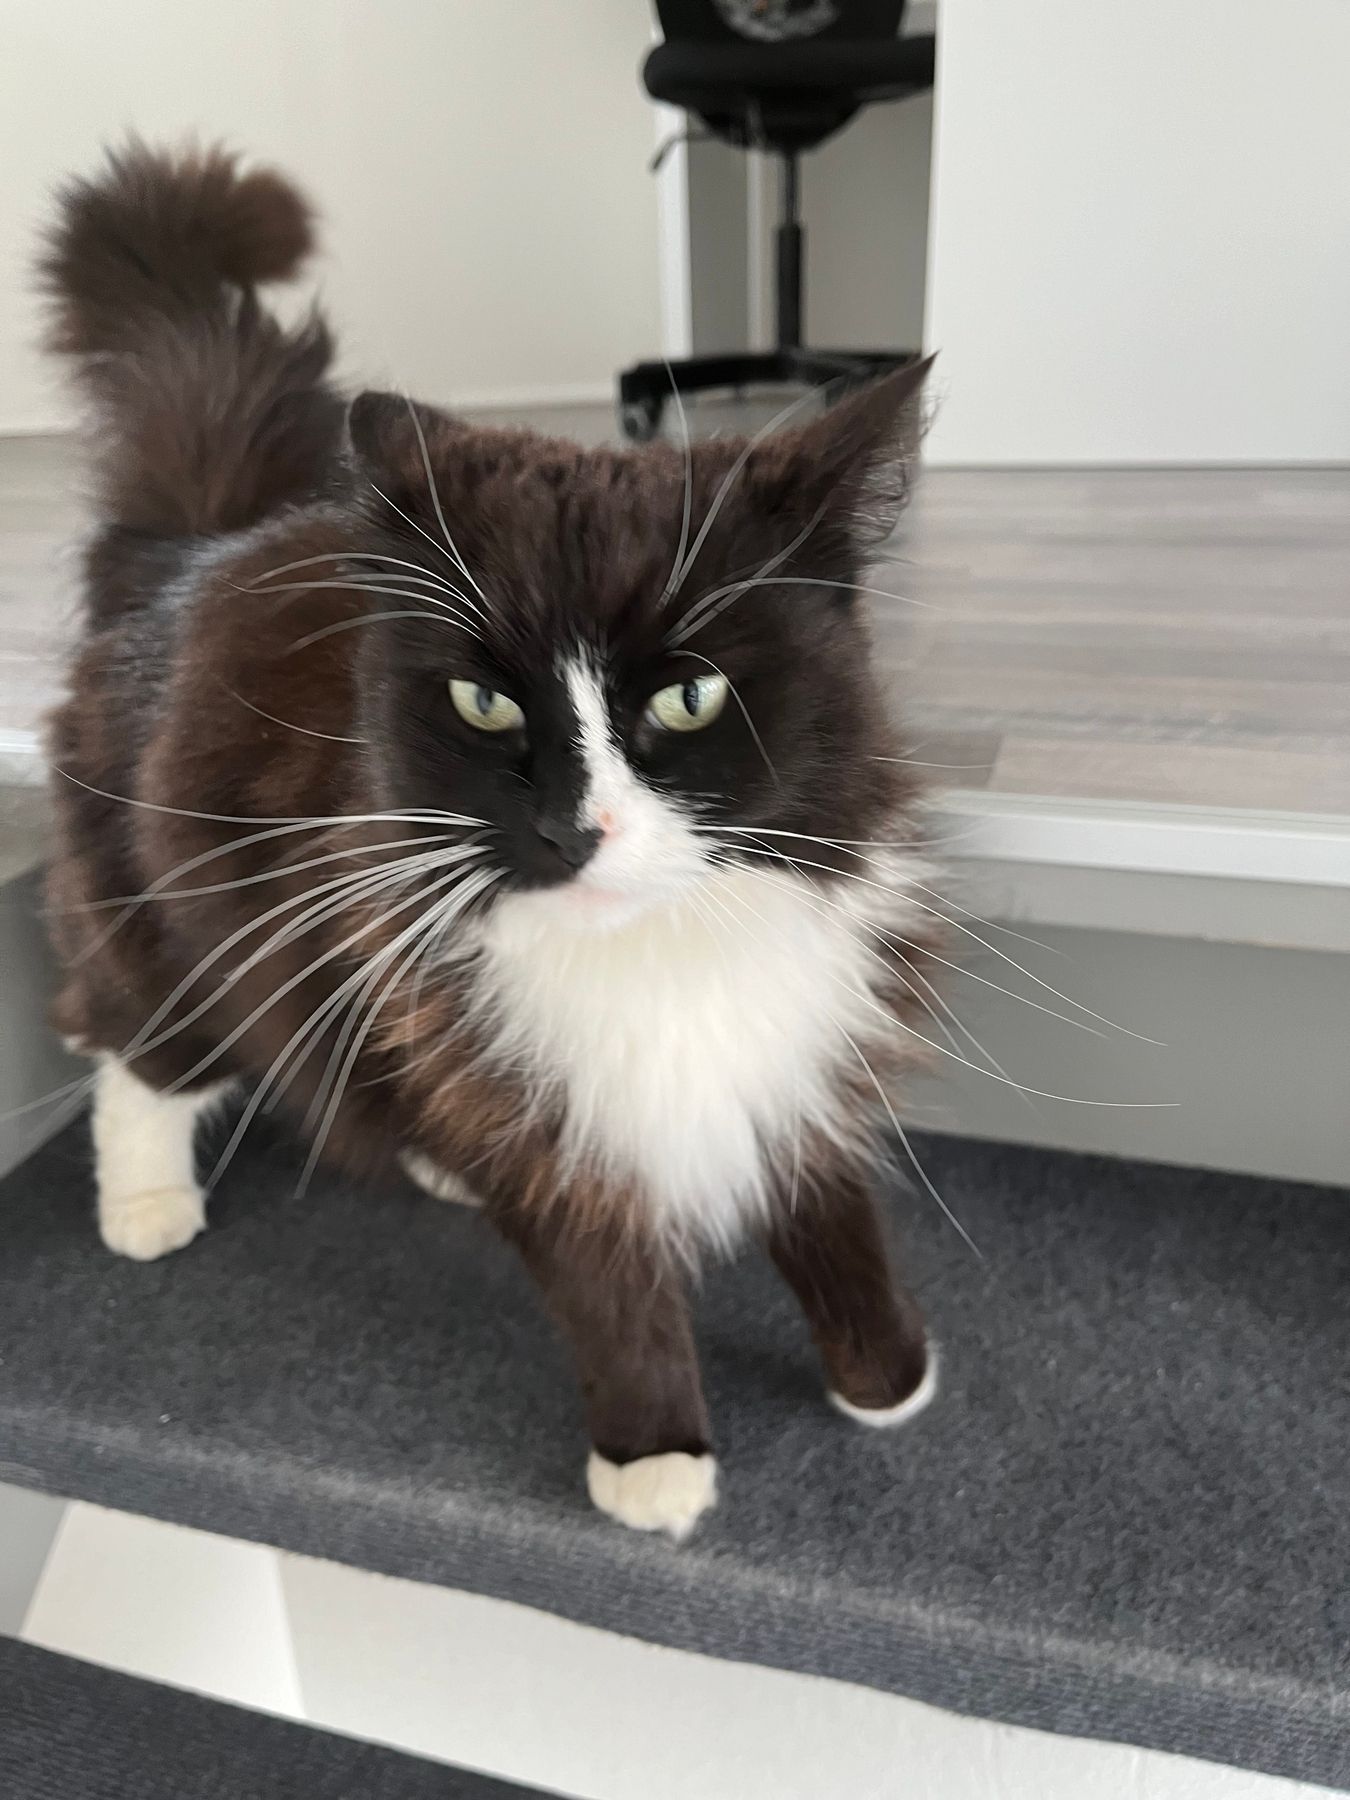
(443, 1184)
(667, 1493)
(144, 1226)
(883, 1417)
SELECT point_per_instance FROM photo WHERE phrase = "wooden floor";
(1141, 635)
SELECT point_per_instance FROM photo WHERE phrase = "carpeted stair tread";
(1127, 1515)
(72, 1731)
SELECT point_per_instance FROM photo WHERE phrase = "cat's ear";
(375, 422)
(853, 464)
(387, 431)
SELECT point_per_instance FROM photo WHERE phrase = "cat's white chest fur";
(691, 1045)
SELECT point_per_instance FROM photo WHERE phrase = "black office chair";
(780, 75)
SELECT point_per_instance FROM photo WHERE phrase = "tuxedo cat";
(523, 813)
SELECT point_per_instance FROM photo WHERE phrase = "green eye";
(689, 705)
(484, 708)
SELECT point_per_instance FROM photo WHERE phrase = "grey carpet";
(1127, 1516)
(71, 1731)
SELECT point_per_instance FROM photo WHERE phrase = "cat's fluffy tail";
(208, 414)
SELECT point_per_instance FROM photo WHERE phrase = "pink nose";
(607, 822)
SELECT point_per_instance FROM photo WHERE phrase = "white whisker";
(734, 691)
(881, 1091)
(778, 855)
(299, 1045)
(74, 1091)
(1022, 938)
(331, 1004)
(734, 590)
(430, 603)
(435, 593)
(672, 580)
(438, 548)
(451, 908)
(331, 737)
(898, 965)
(159, 889)
(899, 944)
(436, 501)
(412, 815)
(810, 837)
(908, 1148)
(308, 1033)
(911, 762)
(319, 904)
(314, 637)
(346, 556)
(277, 873)
(302, 975)
(728, 481)
(374, 966)
(906, 891)
(693, 618)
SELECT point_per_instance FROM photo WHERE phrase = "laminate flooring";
(1176, 636)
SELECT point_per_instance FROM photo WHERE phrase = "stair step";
(1126, 1516)
(72, 1731)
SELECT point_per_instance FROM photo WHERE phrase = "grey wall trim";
(1250, 1058)
(32, 1062)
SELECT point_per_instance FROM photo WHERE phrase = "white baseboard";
(23, 758)
(1219, 874)
(563, 393)
(27, 426)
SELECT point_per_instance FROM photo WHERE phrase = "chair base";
(645, 388)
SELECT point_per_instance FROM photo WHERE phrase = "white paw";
(144, 1226)
(435, 1180)
(655, 1493)
(881, 1418)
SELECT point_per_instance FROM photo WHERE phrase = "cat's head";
(630, 667)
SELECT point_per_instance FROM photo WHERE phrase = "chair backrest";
(776, 21)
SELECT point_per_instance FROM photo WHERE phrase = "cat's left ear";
(855, 461)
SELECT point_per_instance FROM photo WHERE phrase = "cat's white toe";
(881, 1418)
(144, 1226)
(667, 1493)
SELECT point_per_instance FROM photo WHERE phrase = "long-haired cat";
(522, 813)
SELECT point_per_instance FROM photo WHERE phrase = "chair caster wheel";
(640, 420)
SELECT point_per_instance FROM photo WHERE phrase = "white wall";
(1141, 231)
(865, 197)
(481, 167)
(865, 207)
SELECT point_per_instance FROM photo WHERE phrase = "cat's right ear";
(401, 457)
(379, 427)
(388, 431)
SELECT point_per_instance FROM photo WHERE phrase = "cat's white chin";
(585, 906)
(591, 907)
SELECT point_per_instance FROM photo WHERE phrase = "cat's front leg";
(621, 1305)
(827, 1243)
(149, 1198)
